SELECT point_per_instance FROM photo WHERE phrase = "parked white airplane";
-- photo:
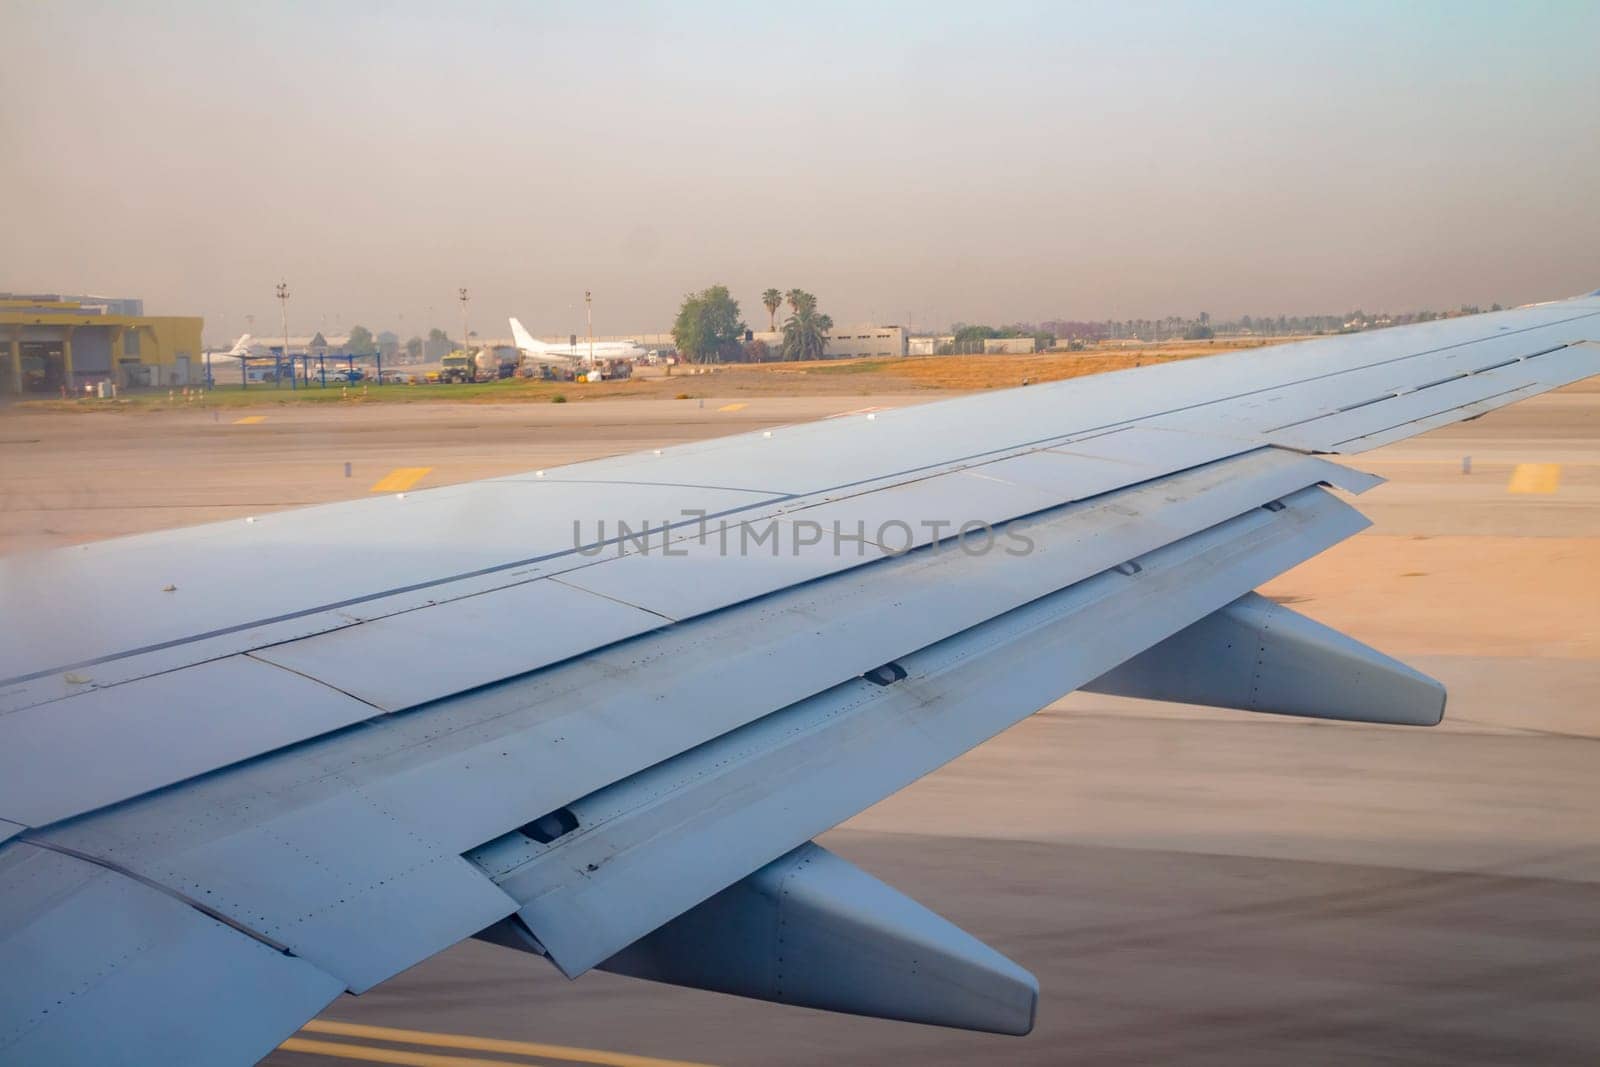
(240, 349)
(583, 351)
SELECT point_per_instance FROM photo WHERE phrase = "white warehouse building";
(847, 342)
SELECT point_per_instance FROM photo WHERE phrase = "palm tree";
(805, 335)
(772, 300)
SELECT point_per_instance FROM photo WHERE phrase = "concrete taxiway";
(1188, 884)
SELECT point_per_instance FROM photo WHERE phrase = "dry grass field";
(958, 373)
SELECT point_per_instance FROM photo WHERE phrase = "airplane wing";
(239, 776)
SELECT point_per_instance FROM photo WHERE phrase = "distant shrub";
(558, 398)
(683, 396)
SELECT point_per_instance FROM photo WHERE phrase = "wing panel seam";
(150, 883)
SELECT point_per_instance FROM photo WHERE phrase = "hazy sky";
(980, 161)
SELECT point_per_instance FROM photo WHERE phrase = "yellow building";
(50, 342)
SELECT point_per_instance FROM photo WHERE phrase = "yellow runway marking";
(1535, 478)
(400, 479)
(372, 1054)
(733, 407)
(464, 1041)
(249, 420)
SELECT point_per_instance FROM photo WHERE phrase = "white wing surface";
(222, 806)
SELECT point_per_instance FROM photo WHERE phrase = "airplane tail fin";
(240, 347)
(523, 338)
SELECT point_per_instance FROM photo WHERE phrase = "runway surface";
(1189, 885)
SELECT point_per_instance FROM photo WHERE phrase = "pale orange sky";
(980, 162)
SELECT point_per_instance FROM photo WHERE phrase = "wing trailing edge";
(1256, 655)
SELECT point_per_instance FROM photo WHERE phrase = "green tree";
(805, 334)
(708, 328)
(360, 342)
(969, 339)
(772, 300)
(437, 334)
(414, 349)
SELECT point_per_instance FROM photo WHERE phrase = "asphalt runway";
(66, 478)
(1189, 885)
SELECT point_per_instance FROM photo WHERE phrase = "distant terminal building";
(54, 342)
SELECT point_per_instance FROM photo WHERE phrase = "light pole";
(588, 312)
(464, 335)
(283, 303)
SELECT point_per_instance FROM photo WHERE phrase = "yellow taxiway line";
(467, 1042)
(400, 479)
(373, 1054)
(733, 407)
(1535, 478)
(249, 420)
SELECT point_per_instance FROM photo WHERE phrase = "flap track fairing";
(813, 930)
(1257, 655)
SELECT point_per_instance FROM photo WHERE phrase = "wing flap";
(659, 842)
(313, 865)
(98, 968)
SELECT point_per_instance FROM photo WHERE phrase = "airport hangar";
(851, 342)
(53, 341)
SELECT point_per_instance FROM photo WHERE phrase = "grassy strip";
(510, 390)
